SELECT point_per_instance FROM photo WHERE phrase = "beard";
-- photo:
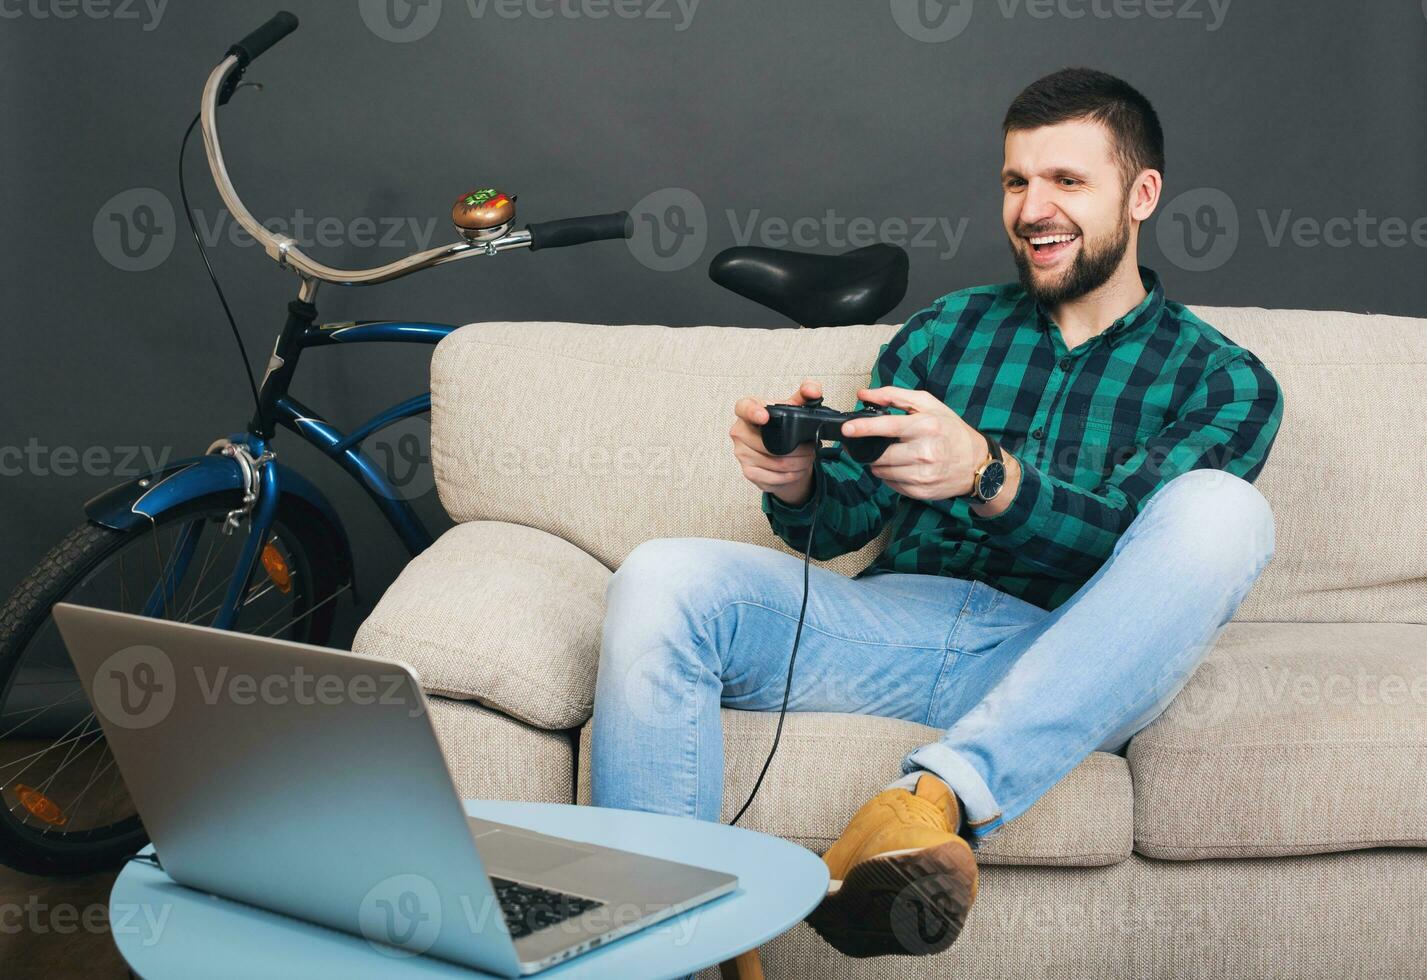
(1091, 269)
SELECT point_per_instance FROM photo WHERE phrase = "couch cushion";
(1350, 383)
(1355, 915)
(840, 761)
(637, 446)
(505, 615)
(1290, 738)
(492, 757)
(633, 442)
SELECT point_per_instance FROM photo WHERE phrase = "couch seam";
(1232, 844)
(849, 372)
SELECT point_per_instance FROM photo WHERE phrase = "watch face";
(992, 479)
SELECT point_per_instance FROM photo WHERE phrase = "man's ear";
(1144, 194)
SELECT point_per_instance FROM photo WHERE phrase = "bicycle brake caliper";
(251, 467)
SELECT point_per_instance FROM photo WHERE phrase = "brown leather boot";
(902, 879)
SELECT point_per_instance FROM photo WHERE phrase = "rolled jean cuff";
(980, 812)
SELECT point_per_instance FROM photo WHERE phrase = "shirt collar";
(1146, 313)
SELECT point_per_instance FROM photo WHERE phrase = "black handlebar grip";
(577, 231)
(249, 48)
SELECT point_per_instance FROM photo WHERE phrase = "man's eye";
(1068, 182)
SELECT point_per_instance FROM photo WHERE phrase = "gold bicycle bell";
(483, 214)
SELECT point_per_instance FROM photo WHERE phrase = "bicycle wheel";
(65, 808)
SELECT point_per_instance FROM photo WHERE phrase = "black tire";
(312, 545)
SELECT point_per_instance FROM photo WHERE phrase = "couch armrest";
(501, 614)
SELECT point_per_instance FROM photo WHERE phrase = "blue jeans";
(1021, 695)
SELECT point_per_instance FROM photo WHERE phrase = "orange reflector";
(276, 567)
(40, 805)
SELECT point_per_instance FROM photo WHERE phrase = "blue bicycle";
(236, 540)
(231, 539)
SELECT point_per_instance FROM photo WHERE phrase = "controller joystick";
(789, 426)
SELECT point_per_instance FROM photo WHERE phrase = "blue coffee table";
(165, 930)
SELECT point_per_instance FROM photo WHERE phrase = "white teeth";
(1049, 239)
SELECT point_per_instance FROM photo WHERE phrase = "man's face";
(1061, 188)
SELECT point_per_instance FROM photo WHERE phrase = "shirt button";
(1038, 434)
(1065, 364)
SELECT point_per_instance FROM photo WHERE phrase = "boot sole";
(911, 904)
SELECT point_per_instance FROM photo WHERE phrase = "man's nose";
(1038, 205)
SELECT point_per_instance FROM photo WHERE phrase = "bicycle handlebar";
(222, 82)
(578, 231)
(250, 48)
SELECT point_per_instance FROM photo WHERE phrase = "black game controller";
(789, 426)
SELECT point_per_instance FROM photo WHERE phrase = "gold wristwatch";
(990, 476)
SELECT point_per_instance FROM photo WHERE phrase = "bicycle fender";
(145, 498)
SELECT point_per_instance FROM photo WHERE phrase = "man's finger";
(751, 410)
(892, 426)
(907, 399)
(899, 454)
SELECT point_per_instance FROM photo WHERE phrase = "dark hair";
(1084, 93)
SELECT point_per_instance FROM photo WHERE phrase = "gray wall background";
(1295, 178)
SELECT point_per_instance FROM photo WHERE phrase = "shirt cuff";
(1031, 512)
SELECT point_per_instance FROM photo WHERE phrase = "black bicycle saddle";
(816, 290)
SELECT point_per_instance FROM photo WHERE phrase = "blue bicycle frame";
(246, 463)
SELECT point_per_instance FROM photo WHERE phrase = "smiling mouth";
(1047, 248)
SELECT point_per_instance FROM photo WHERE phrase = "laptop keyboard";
(528, 909)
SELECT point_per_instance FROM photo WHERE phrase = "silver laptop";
(309, 782)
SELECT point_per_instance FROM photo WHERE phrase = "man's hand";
(936, 453)
(789, 478)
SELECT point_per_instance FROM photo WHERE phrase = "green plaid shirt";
(1097, 431)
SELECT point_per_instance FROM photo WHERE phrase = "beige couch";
(1269, 824)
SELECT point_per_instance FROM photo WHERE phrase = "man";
(1071, 526)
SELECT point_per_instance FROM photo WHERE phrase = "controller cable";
(792, 657)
